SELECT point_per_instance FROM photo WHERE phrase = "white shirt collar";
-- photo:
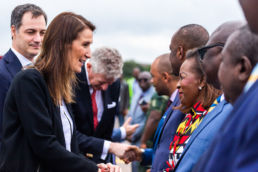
(222, 97)
(173, 95)
(86, 71)
(23, 60)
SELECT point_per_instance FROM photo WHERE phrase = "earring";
(200, 88)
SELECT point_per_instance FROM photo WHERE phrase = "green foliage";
(129, 65)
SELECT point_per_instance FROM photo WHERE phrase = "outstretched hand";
(129, 129)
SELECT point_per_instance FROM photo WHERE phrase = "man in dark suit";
(28, 26)
(97, 104)
(235, 146)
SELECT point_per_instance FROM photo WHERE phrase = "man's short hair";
(191, 36)
(20, 10)
(244, 43)
(107, 61)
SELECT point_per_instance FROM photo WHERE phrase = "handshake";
(127, 153)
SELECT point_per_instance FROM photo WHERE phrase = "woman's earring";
(200, 88)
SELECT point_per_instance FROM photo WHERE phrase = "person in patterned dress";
(196, 96)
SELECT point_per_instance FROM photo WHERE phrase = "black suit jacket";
(33, 138)
(91, 142)
(9, 66)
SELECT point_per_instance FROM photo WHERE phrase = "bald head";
(243, 43)
(239, 56)
(222, 33)
(162, 78)
(189, 37)
(186, 38)
(212, 55)
(163, 63)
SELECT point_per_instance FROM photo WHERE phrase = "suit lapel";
(57, 116)
(175, 103)
(160, 129)
(206, 120)
(85, 94)
(13, 64)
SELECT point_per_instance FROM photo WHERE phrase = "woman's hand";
(108, 168)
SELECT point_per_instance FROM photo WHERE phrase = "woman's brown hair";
(53, 61)
(208, 93)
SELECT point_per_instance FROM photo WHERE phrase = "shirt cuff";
(105, 149)
(123, 133)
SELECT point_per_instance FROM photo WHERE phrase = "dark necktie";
(94, 109)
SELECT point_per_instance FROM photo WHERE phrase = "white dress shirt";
(100, 107)
(173, 96)
(67, 124)
(23, 60)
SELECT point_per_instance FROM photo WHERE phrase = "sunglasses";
(203, 50)
(143, 79)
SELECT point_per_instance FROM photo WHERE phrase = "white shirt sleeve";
(123, 133)
(105, 149)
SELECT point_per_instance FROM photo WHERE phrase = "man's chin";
(33, 54)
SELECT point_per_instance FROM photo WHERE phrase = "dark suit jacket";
(9, 66)
(168, 130)
(90, 141)
(159, 154)
(235, 146)
(33, 136)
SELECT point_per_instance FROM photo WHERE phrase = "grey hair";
(20, 10)
(243, 42)
(107, 61)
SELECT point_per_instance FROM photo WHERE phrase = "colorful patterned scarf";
(183, 133)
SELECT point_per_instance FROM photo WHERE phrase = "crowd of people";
(195, 110)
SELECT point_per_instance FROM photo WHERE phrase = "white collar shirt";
(67, 124)
(23, 60)
(98, 97)
(100, 106)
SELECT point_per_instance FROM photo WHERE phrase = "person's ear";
(13, 31)
(164, 76)
(244, 69)
(202, 83)
(180, 53)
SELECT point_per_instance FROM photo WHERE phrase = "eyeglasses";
(203, 50)
(143, 79)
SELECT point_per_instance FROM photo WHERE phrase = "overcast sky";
(140, 29)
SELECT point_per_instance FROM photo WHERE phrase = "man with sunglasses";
(139, 109)
(219, 110)
(211, 53)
